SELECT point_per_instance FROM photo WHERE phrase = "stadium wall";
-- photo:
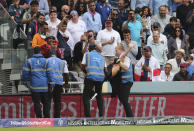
(146, 101)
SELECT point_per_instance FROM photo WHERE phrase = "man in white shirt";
(167, 75)
(76, 27)
(109, 39)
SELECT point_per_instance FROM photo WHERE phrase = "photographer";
(91, 39)
(120, 76)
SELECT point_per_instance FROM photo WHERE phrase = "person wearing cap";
(37, 71)
(51, 44)
(158, 49)
(183, 74)
(136, 29)
(94, 66)
(92, 18)
(175, 62)
(38, 39)
(53, 22)
(76, 27)
(60, 72)
(163, 18)
(30, 15)
(145, 67)
(162, 38)
(109, 39)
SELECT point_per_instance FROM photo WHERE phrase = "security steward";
(35, 71)
(60, 73)
(93, 64)
(121, 78)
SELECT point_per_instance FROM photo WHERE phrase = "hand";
(34, 16)
(51, 89)
(110, 41)
(130, 45)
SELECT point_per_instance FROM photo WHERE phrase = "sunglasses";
(115, 14)
(178, 31)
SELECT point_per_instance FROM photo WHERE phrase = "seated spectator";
(34, 26)
(51, 44)
(147, 66)
(64, 10)
(158, 49)
(175, 62)
(169, 30)
(167, 75)
(81, 9)
(39, 37)
(183, 74)
(177, 42)
(53, 23)
(140, 3)
(190, 67)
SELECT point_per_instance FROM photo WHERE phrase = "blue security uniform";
(38, 73)
(127, 76)
(95, 64)
(57, 67)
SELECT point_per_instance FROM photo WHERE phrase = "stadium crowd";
(162, 32)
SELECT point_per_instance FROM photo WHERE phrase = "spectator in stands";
(116, 24)
(162, 38)
(38, 39)
(167, 75)
(16, 12)
(65, 9)
(190, 66)
(173, 6)
(158, 49)
(134, 50)
(157, 3)
(30, 15)
(59, 4)
(78, 53)
(91, 40)
(146, 22)
(65, 43)
(138, 14)
(136, 30)
(175, 62)
(53, 23)
(182, 75)
(177, 42)
(36, 70)
(34, 26)
(141, 3)
(94, 78)
(169, 30)
(92, 18)
(163, 18)
(60, 73)
(81, 9)
(123, 12)
(144, 69)
(51, 44)
(190, 30)
(104, 10)
(109, 39)
(43, 7)
(182, 11)
(76, 27)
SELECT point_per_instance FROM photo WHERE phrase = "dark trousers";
(42, 97)
(123, 93)
(56, 95)
(88, 93)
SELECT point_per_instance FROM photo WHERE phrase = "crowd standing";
(160, 34)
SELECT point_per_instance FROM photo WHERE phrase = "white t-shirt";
(178, 42)
(65, 69)
(105, 35)
(54, 29)
(76, 30)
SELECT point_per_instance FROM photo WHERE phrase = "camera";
(89, 37)
(69, 16)
(116, 61)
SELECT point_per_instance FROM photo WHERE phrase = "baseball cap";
(108, 21)
(147, 48)
(49, 37)
(183, 64)
(73, 12)
(156, 25)
(51, 11)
